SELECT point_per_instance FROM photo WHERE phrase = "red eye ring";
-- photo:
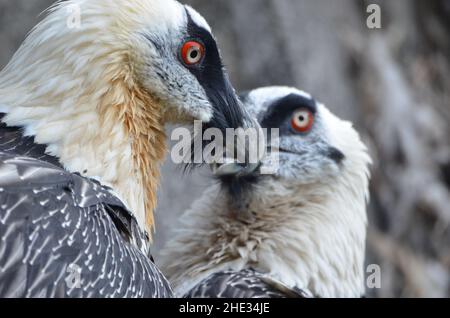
(302, 120)
(192, 53)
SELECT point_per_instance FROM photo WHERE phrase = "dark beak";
(229, 112)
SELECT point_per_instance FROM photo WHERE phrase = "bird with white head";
(82, 114)
(298, 232)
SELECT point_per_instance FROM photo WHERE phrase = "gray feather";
(247, 283)
(53, 221)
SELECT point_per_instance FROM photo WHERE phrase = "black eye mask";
(281, 110)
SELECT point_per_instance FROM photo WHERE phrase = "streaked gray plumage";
(247, 283)
(53, 221)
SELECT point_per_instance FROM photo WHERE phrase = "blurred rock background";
(393, 83)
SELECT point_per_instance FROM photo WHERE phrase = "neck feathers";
(142, 119)
(311, 237)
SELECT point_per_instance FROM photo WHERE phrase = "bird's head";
(175, 58)
(310, 145)
(164, 49)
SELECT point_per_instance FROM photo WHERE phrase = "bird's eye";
(192, 53)
(302, 120)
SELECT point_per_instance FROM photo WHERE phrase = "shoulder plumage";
(247, 283)
(55, 225)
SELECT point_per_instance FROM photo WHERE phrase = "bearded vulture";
(299, 232)
(83, 109)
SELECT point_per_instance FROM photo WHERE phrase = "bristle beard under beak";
(239, 190)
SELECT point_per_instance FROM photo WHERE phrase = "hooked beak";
(229, 112)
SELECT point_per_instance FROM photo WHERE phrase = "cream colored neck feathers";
(83, 101)
(308, 236)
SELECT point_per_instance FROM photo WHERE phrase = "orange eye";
(302, 120)
(192, 53)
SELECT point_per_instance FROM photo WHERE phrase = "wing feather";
(247, 283)
(52, 222)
